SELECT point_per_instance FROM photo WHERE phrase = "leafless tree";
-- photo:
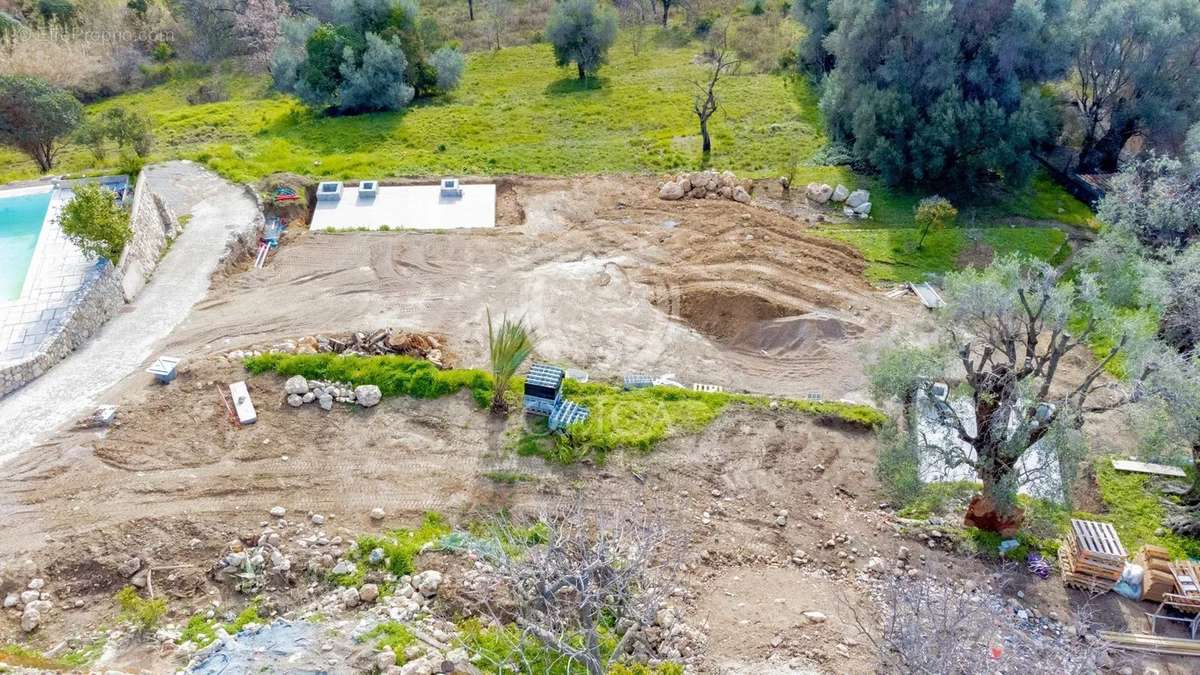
(636, 16)
(588, 572)
(499, 16)
(927, 626)
(705, 103)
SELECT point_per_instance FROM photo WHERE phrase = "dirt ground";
(614, 281)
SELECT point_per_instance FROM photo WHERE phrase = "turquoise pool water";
(20, 224)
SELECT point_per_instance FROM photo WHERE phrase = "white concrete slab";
(414, 207)
(1146, 467)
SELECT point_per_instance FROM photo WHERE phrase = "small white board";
(242, 403)
(928, 295)
(1144, 467)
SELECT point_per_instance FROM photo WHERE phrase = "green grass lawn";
(892, 255)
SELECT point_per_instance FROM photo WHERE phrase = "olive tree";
(36, 117)
(1136, 71)
(1007, 328)
(940, 90)
(581, 32)
(933, 213)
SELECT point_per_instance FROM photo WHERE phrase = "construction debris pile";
(381, 342)
(1092, 556)
(300, 391)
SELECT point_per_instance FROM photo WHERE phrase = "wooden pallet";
(1097, 540)
(1083, 582)
(1072, 564)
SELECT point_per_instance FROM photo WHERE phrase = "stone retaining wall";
(105, 289)
(98, 299)
(154, 226)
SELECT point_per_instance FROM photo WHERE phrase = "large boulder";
(858, 198)
(741, 196)
(840, 193)
(818, 193)
(863, 209)
(671, 191)
(685, 181)
(367, 395)
(296, 384)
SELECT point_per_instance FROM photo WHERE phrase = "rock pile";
(300, 391)
(33, 604)
(381, 342)
(705, 185)
(856, 204)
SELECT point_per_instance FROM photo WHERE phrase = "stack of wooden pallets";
(1157, 577)
(1091, 556)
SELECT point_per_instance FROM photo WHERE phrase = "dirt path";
(129, 340)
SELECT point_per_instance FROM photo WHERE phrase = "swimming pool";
(21, 217)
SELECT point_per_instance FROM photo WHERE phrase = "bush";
(897, 465)
(213, 91)
(449, 64)
(394, 375)
(400, 547)
(94, 222)
(141, 613)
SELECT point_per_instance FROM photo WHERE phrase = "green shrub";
(392, 635)
(94, 222)
(24, 657)
(394, 375)
(897, 466)
(143, 614)
(508, 477)
(506, 645)
(199, 630)
(250, 614)
(400, 548)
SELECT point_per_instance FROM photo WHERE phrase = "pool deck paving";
(128, 342)
(55, 274)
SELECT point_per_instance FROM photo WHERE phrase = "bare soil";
(615, 281)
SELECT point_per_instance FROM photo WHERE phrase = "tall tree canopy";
(1136, 71)
(374, 55)
(936, 90)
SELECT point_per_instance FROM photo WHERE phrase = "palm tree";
(510, 344)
